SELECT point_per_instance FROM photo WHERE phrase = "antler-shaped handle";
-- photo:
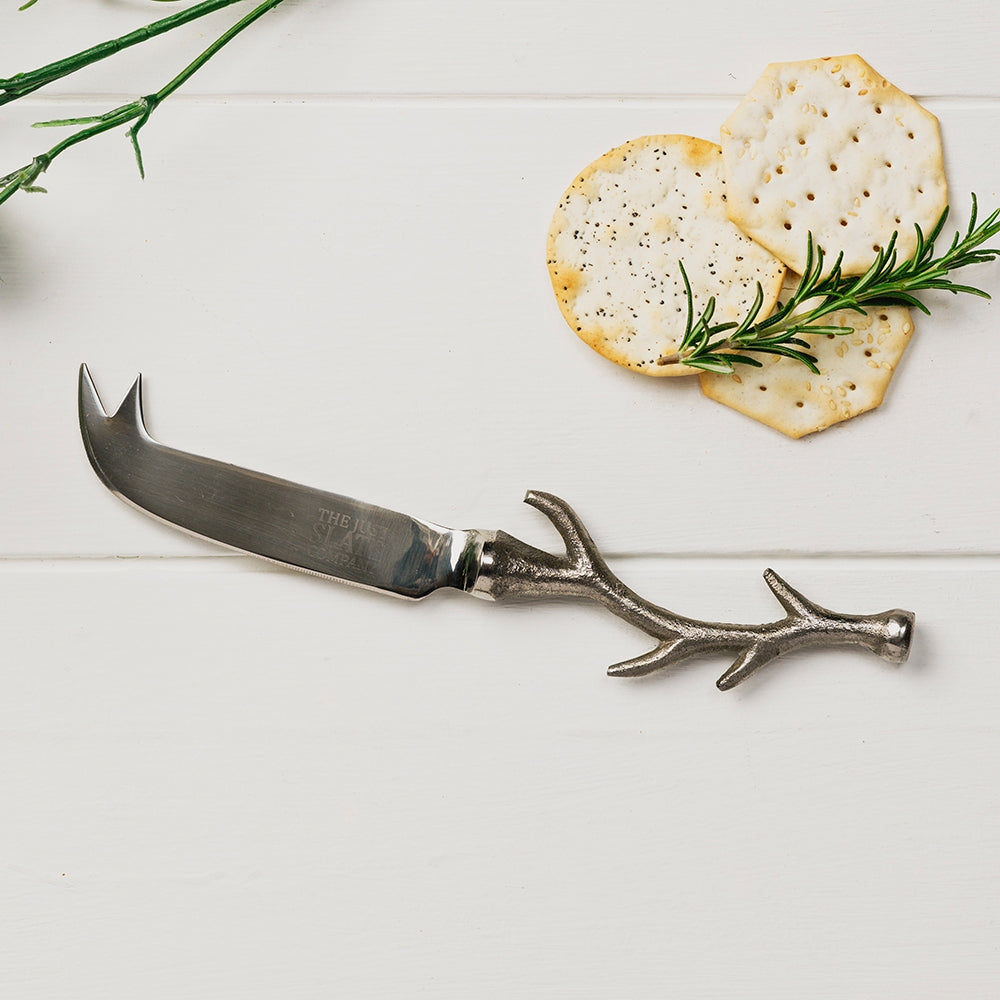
(513, 569)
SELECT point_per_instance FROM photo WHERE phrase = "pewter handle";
(512, 569)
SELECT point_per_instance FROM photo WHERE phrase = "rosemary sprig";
(718, 347)
(136, 112)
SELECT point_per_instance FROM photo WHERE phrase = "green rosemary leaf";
(802, 357)
(939, 227)
(722, 364)
(686, 340)
(752, 313)
(898, 299)
(819, 330)
(967, 289)
(741, 359)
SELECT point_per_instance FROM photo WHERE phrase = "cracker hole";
(810, 196)
(867, 194)
(833, 167)
(756, 200)
(878, 109)
(910, 135)
(851, 386)
(843, 222)
(779, 169)
(800, 404)
(854, 138)
(788, 225)
(763, 388)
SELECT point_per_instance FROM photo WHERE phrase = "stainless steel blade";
(303, 528)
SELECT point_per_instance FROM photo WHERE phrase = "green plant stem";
(22, 84)
(137, 111)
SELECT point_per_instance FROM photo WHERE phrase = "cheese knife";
(363, 545)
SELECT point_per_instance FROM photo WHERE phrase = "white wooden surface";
(218, 779)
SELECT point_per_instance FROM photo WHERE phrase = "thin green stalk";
(21, 84)
(137, 111)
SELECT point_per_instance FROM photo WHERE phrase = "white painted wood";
(249, 782)
(221, 779)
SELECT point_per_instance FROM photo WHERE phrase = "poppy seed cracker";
(621, 231)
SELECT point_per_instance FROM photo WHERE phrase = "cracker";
(829, 147)
(856, 369)
(616, 239)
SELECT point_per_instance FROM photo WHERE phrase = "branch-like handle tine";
(661, 656)
(749, 661)
(580, 547)
(789, 598)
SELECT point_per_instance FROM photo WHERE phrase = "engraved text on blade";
(347, 541)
